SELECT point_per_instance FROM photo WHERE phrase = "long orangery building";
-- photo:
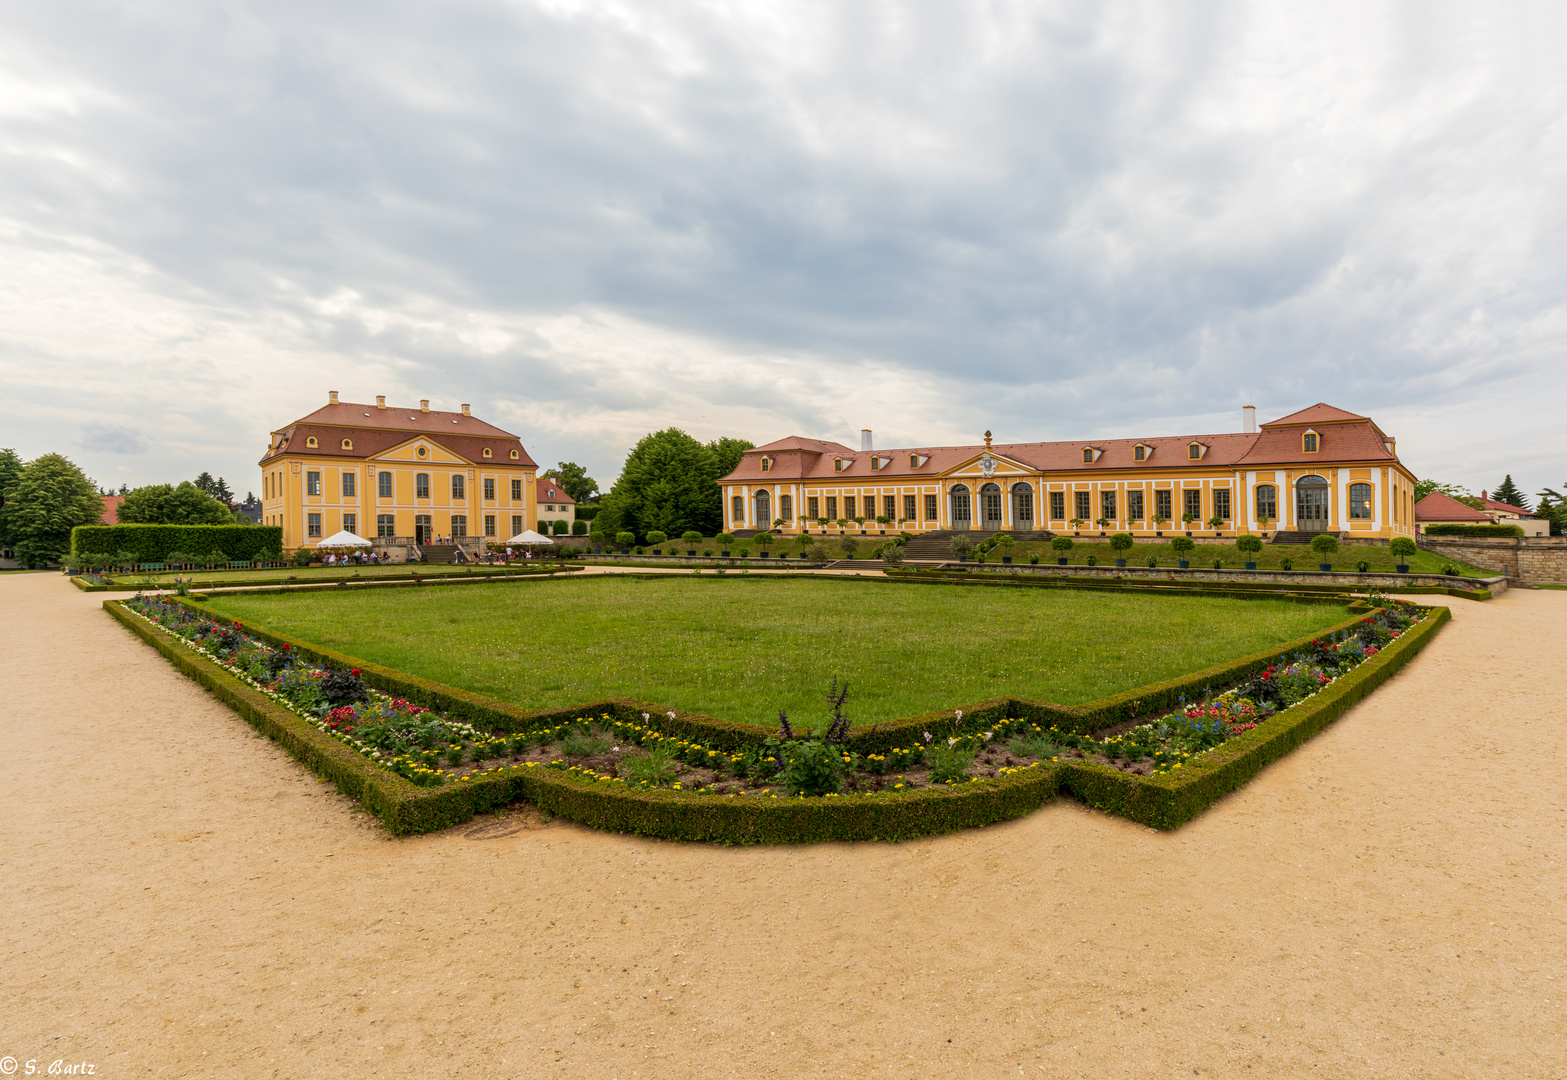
(1317, 470)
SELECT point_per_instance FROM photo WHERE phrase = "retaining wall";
(1536, 560)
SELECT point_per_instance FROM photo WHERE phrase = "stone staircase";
(439, 553)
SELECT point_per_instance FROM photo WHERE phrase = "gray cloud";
(112, 439)
(1051, 221)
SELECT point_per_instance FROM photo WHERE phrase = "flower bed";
(621, 766)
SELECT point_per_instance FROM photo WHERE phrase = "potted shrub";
(1217, 525)
(1183, 546)
(1287, 563)
(1363, 566)
(1076, 523)
(1092, 560)
(1324, 544)
(1061, 545)
(883, 520)
(625, 540)
(860, 521)
(821, 523)
(842, 523)
(1103, 523)
(1121, 543)
(1187, 519)
(1249, 546)
(724, 541)
(1152, 562)
(657, 538)
(1262, 523)
(850, 545)
(1402, 548)
(961, 547)
(892, 553)
(691, 538)
(1158, 524)
(1004, 542)
(1033, 560)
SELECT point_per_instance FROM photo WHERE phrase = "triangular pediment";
(408, 453)
(999, 465)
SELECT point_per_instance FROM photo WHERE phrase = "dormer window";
(1194, 451)
(311, 442)
(1310, 442)
(486, 451)
(914, 461)
(876, 462)
(1139, 452)
(767, 464)
(1091, 454)
(348, 444)
(837, 464)
(514, 455)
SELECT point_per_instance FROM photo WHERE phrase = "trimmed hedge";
(154, 543)
(1171, 800)
(605, 804)
(1164, 802)
(1471, 530)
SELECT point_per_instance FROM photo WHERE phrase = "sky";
(595, 220)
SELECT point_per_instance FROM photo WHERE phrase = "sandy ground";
(182, 899)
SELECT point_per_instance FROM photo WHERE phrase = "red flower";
(356, 673)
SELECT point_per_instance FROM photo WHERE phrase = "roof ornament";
(987, 440)
(987, 464)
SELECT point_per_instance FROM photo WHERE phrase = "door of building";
(422, 528)
(961, 515)
(990, 500)
(1311, 504)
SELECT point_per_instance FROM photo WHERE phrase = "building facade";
(395, 475)
(1321, 469)
(554, 505)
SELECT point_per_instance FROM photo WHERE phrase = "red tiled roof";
(548, 491)
(1320, 413)
(111, 509)
(1505, 508)
(1341, 442)
(1439, 507)
(467, 436)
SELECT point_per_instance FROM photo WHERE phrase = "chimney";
(465, 411)
(380, 401)
(331, 397)
(424, 404)
(1249, 419)
(865, 439)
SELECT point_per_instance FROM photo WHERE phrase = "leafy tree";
(217, 488)
(1508, 492)
(11, 464)
(48, 498)
(1553, 508)
(574, 480)
(164, 504)
(669, 483)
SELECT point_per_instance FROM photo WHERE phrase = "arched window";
(962, 513)
(1360, 501)
(1194, 451)
(1023, 505)
(737, 511)
(1088, 455)
(310, 441)
(486, 451)
(1139, 452)
(1267, 502)
(764, 510)
(348, 444)
(514, 455)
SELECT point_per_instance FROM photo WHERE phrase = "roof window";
(514, 455)
(1194, 451)
(1310, 442)
(1139, 452)
(487, 451)
(767, 464)
(311, 441)
(348, 444)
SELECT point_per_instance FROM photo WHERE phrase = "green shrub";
(1363, 566)
(1324, 544)
(579, 528)
(1061, 544)
(1152, 562)
(1402, 547)
(1472, 530)
(948, 763)
(1287, 563)
(657, 537)
(559, 527)
(155, 543)
(691, 536)
(625, 539)
(960, 546)
(654, 767)
(850, 545)
(724, 539)
(1121, 542)
(1248, 545)
(812, 767)
(1092, 560)
(304, 556)
(1183, 546)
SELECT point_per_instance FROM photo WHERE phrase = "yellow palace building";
(395, 475)
(1317, 470)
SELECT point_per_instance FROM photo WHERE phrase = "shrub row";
(1171, 800)
(154, 543)
(406, 808)
(1472, 530)
(1164, 802)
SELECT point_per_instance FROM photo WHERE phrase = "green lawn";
(743, 648)
(217, 578)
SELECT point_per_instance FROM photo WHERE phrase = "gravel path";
(181, 899)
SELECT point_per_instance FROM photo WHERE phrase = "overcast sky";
(592, 220)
